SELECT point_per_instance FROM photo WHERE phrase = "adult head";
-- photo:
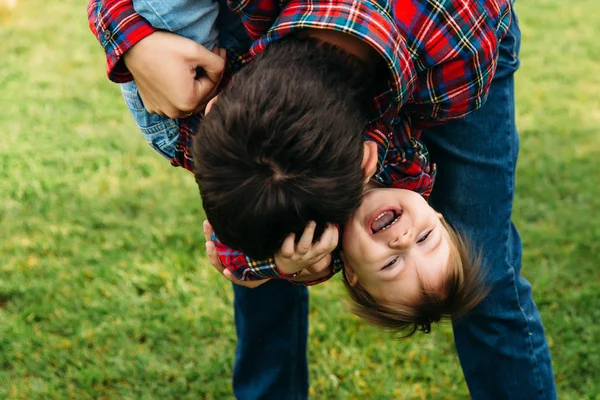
(284, 145)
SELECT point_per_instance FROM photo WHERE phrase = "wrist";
(285, 270)
(117, 69)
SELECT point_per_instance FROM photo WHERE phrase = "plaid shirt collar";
(365, 20)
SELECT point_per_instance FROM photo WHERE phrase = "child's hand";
(294, 257)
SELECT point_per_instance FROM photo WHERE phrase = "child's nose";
(402, 240)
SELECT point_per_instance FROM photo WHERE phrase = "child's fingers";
(321, 265)
(305, 242)
(323, 244)
(287, 248)
(328, 240)
(335, 238)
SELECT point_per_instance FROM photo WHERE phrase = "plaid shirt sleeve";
(118, 28)
(246, 269)
(403, 158)
(257, 15)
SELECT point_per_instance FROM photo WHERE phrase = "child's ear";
(369, 161)
(351, 277)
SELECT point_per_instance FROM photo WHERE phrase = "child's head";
(405, 267)
(283, 146)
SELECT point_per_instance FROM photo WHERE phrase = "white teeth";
(379, 216)
(386, 215)
(391, 223)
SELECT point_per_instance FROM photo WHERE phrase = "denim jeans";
(501, 344)
(270, 357)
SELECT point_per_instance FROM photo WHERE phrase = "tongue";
(383, 221)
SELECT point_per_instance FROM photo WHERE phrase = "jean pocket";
(161, 133)
(510, 45)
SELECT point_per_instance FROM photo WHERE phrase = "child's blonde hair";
(462, 289)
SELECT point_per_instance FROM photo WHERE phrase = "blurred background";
(104, 288)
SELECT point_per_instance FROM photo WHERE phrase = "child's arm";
(317, 261)
(404, 160)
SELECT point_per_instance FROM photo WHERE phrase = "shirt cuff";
(117, 42)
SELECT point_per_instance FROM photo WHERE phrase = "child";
(404, 266)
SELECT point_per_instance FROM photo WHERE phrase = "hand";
(314, 257)
(308, 276)
(214, 260)
(164, 68)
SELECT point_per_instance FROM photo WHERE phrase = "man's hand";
(164, 68)
(214, 260)
(314, 258)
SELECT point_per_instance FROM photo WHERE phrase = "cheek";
(353, 246)
(349, 237)
(350, 248)
(435, 276)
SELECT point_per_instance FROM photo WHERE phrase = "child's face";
(394, 245)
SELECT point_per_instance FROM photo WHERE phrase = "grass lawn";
(104, 288)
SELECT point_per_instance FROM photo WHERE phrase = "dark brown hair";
(283, 145)
(462, 289)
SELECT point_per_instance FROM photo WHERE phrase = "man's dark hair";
(283, 145)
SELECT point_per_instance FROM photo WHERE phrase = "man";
(476, 157)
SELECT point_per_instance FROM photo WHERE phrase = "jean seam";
(297, 383)
(167, 26)
(132, 99)
(294, 352)
(511, 179)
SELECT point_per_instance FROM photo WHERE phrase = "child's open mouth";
(382, 220)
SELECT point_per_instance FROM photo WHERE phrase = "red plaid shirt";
(441, 57)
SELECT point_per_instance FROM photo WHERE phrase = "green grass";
(104, 288)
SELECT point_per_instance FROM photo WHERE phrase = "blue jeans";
(501, 344)
(270, 358)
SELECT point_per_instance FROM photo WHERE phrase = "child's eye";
(392, 262)
(424, 237)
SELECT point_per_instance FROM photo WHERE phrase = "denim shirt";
(208, 22)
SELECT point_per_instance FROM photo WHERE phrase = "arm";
(164, 64)
(244, 268)
(305, 262)
(405, 163)
(118, 28)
